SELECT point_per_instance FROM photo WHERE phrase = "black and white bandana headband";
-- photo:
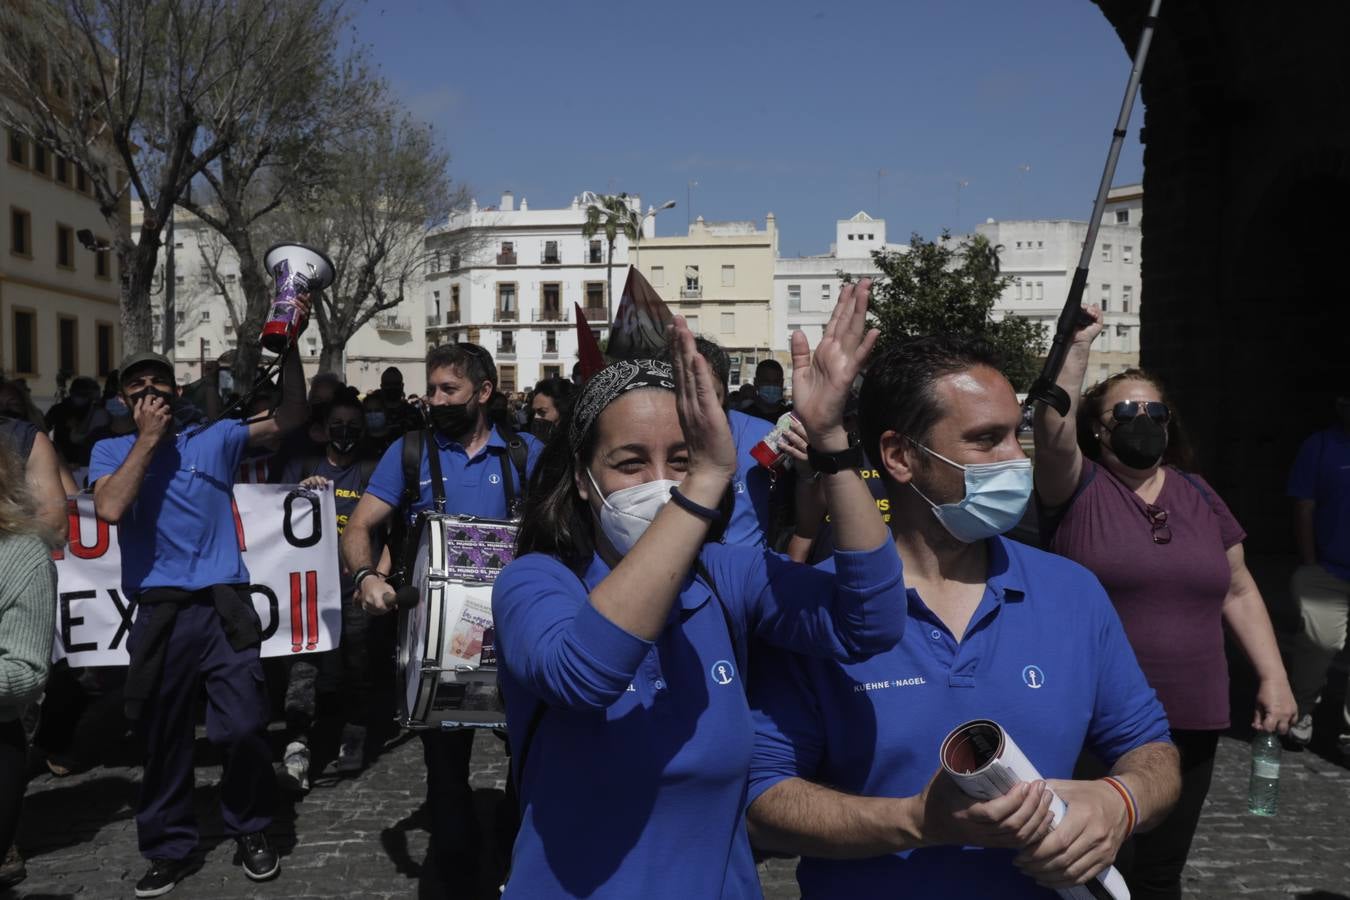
(611, 383)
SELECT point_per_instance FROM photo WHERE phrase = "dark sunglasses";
(1157, 520)
(1154, 409)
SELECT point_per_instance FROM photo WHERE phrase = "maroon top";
(1169, 596)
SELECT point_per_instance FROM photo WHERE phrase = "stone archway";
(1247, 220)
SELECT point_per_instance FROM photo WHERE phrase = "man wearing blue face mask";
(995, 630)
(768, 403)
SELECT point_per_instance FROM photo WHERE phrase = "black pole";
(1044, 389)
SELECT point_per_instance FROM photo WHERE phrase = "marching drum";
(447, 660)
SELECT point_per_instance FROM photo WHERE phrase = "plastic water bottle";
(1264, 791)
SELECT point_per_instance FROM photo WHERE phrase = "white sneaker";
(1301, 731)
(294, 773)
(352, 753)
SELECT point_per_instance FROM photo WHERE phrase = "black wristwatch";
(831, 463)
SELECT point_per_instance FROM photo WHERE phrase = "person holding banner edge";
(169, 489)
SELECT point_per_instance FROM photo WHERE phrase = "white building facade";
(1042, 256)
(805, 288)
(510, 278)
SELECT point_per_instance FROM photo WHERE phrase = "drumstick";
(404, 598)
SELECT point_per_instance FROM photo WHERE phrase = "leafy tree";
(939, 287)
(133, 92)
(372, 221)
(613, 214)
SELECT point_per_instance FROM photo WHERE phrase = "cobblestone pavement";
(365, 837)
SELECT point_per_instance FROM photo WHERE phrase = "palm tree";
(613, 214)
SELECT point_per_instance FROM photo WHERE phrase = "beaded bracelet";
(703, 512)
(1131, 808)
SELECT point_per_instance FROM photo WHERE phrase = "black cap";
(143, 359)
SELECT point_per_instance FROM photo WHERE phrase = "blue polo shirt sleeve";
(1303, 476)
(850, 614)
(386, 482)
(1126, 714)
(233, 437)
(106, 457)
(553, 641)
(789, 727)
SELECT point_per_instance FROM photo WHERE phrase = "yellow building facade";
(720, 278)
(59, 311)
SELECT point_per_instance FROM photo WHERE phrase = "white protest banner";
(289, 541)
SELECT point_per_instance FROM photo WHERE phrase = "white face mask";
(628, 512)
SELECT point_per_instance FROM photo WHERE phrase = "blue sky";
(785, 107)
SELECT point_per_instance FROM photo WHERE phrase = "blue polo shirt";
(473, 487)
(749, 522)
(1321, 473)
(180, 530)
(1044, 656)
(634, 781)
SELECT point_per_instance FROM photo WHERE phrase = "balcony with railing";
(551, 350)
(595, 255)
(595, 314)
(549, 315)
(505, 315)
(694, 292)
(446, 318)
(391, 323)
(506, 349)
(552, 258)
(506, 258)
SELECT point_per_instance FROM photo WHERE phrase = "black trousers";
(13, 779)
(1152, 862)
(456, 836)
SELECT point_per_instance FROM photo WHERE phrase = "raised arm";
(820, 385)
(293, 410)
(1058, 461)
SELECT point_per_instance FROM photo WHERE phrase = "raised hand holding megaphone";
(298, 269)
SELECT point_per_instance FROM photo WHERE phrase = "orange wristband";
(1131, 811)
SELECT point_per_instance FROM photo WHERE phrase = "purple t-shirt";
(1169, 596)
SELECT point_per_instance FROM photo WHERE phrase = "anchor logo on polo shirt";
(494, 479)
(1033, 677)
(723, 672)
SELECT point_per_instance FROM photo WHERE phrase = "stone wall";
(1247, 175)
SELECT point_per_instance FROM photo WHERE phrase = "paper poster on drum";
(289, 544)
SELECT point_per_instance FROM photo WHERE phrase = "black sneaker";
(161, 877)
(260, 861)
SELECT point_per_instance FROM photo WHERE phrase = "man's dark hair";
(898, 392)
(390, 374)
(561, 391)
(717, 359)
(772, 364)
(474, 361)
(346, 398)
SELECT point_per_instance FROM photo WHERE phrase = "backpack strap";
(518, 454)
(368, 466)
(412, 468)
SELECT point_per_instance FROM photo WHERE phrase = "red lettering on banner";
(312, 606)
(238, 524)
(78, 548)
(297, 622)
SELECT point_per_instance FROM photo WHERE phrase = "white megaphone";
(298, 269)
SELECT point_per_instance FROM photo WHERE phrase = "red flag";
(588, 349)
(640, 322)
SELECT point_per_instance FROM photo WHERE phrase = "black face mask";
(344, 438)
(542, 428)
(453, 420)
(1139, 443)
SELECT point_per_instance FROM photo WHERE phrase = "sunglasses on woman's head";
(1128, 409)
